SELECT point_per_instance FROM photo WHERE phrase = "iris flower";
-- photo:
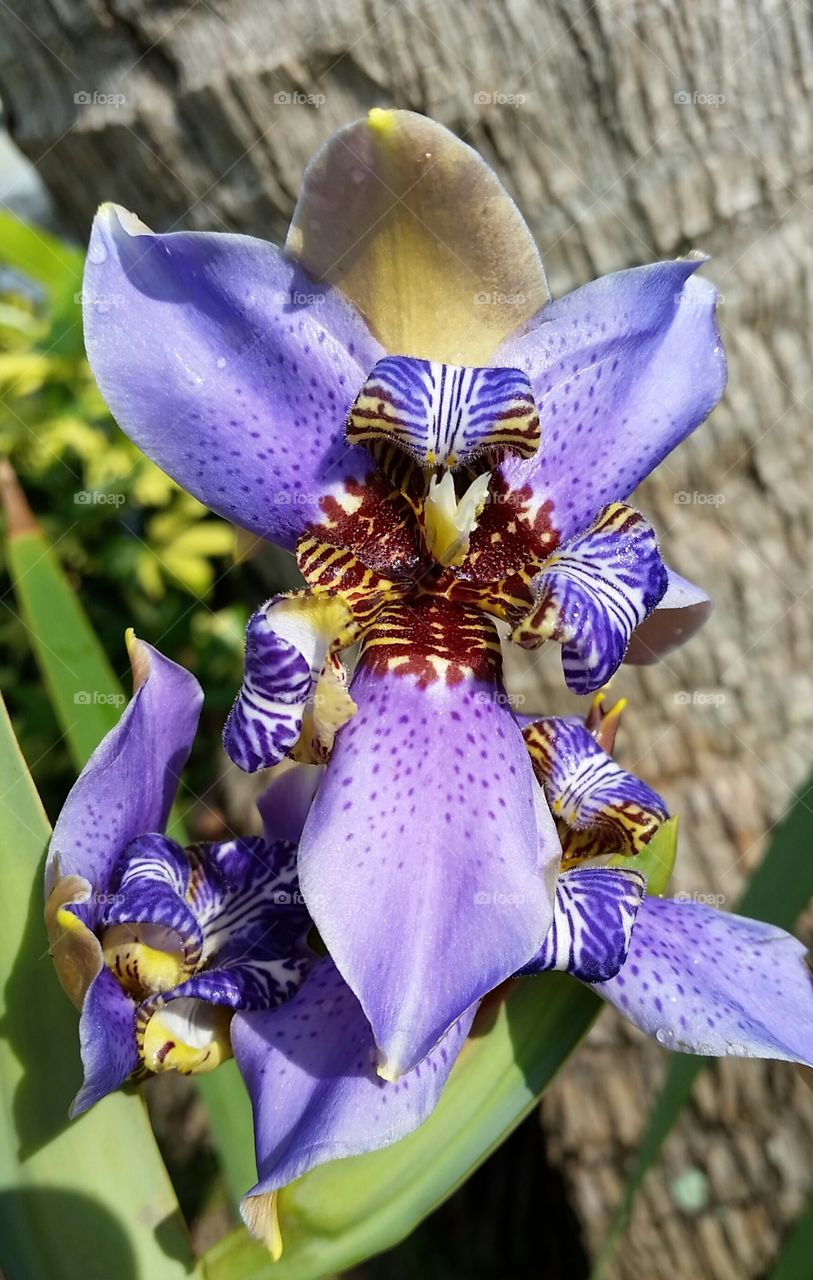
(393, 397)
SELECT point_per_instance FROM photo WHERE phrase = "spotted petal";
(287, 643)
(611, 810)
(417, 231)
(428, 854)
(702, 981)
(228, 366)
(309, 1067)
(622, 370)
(592, 595)
(593, 916)
(442, 414)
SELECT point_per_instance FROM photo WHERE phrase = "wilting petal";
(128, 784)
(592, 595)
(705, 982)
(310, 1068)
(622, 370)
(107, 1040)
(611, 810)
(428, 853)
(419, 233)
(681, 613)
(593, 916)
(442, 414)
(230, 368)
(287, 642)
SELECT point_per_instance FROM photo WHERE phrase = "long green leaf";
(778, 891)
(345, 1211)
(90, 1199)
(796, 1259)
(88, 698)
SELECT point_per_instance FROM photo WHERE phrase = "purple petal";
(286, 802)
(622, 370)
(705, 982)
(228, 366)
(443, 414)
(107, 1040)
(128, 784)
(593, 917)
(309, 1067)
(683, 610)
(149, 888)
(594, 593)
(611, 810)
(287, 642)
(427, 857)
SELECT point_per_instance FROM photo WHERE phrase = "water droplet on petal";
(665, 1036)
(97, 253)
(221, 362)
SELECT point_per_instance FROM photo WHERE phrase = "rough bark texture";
(645, 129)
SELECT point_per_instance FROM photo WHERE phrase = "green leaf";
(656, 860)
(88, 700)
(350, 1209)
(777, 892)
(84, 1200)
(794, 1260)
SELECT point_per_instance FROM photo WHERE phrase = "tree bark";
(628, 131)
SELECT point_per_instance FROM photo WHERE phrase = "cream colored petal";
(418, 232)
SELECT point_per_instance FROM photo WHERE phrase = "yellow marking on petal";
(74, 948)
(261, 1216)
(142, 967)
(191, 1042)
(139, 657)
(330, 707)
(418, 232)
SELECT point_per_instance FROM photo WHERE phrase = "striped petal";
(702, 981)
(310, 1068)
(287, 644)
(416, 230)
(594, 593)
(609, 810)
(622, 370)
(444, 415)
(593, 916)
(148, 905)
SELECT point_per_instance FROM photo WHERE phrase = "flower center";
(185, 1035)
(145, 958)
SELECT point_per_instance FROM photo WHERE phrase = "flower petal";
(228, 366)
(622, 370)
(593, 916)
(107, 1040)
(286, 801)
(309, 1067)
(415, 228)
(705, 982)
(287, 642)
(428, 855)
(442, 414)
(682, 611)
(611, 810)
(128, 784)
(592, 595)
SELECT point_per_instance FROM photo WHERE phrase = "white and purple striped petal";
(702, 981)
(609, 809)
(443, 414)
(592, 595)
(622, 370)
(310, 1068)
(228, 366)
(593, 916)
(150, 887)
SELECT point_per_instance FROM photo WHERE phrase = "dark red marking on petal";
(431, 640)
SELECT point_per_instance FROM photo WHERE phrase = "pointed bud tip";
(20, 519)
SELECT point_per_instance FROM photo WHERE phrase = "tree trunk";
(627, 132)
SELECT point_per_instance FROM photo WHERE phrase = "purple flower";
(394, 397)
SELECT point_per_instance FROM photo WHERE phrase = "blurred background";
(627, 131)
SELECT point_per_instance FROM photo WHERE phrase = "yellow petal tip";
(381, 119)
